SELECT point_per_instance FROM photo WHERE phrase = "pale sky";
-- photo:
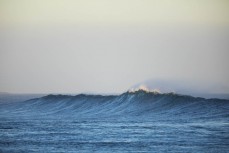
(108, 46)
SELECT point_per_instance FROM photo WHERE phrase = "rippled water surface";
(107, 136)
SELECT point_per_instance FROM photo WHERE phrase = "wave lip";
(145, 89)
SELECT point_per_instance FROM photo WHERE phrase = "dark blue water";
(131, 122)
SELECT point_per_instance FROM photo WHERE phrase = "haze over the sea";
(108, 46)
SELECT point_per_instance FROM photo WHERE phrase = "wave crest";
(140, 104)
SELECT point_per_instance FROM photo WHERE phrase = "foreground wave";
(135, 105)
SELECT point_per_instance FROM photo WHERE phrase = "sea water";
(57, 124)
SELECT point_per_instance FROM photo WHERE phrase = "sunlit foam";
(144, 88)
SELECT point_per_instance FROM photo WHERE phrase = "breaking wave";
(135, 105)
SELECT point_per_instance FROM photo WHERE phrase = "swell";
(137, 105)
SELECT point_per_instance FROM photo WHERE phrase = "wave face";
(130, 105)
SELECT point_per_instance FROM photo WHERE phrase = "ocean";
(131, 122)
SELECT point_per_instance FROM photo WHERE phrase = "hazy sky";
(107, 46)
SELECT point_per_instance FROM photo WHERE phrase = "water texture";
(130, 122)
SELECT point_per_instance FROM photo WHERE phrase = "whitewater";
(135, 121)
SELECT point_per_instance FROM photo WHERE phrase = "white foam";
(144, 88)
